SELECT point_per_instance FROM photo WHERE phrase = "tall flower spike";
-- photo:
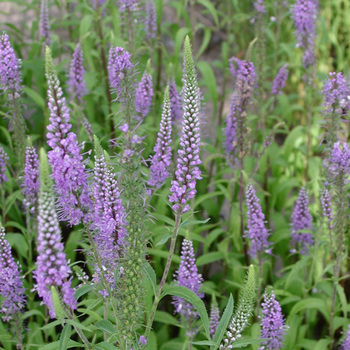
(327, 209)
(175, 103)
(161, 160)
(345, 345)
(302, 220)
(151, 20)
(44, 22)
(109, 218)
(305, 17)
(280, 80)
(76, 74)
(68, 168)
(10, 66)
(129, 5)
(214, 318)
(183, 188)
(338, 162)
(12, 291)
(187, 276)
(257, 232)
(3, 160)
(31, 179)
(52, 269)
(272, 323)
(241, 316)
(144, 95)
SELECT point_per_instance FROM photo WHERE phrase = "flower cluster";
(68, 168)
(187, 276)
(305, 16)
(302, 220)
(128, 5)
(76, 74)
(214, 319)
(345, 345)
(12, 291)
(144, 95)
(257, 232)
(272, 323)
(44, 22)
(183, 188)
(327, 209)
(3, 160)
(151, 20)
(280, 80)
(338, 162)
(10, 66)
(175, 103)
(160, 162)
(52, 269)
(259, 6)
(31, 179)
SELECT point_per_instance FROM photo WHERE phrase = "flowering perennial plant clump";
(183, 188)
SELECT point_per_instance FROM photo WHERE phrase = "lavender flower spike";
(76, 74)
(280, 80)
(272, 323)
(68, 168)
(302, 220)
(175, 103)
(3, 160)
(144, 95)
(338, 162)
(187, 276)
(44, 22)
(161, 160)
(183, 188)
(151, 20)
(305, 16)
(257, 232)
(345, 345)
(12, 291)
(327, 209)
(31, 179)
(10, 66)
(214, 318)
(52, 269)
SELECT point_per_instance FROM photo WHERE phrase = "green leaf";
(104, 346)
(148, 272)
(210, 81)
(310, 303)
(34, 96)
(85, 26)
(342, 298)
(78, 325)
(164, 239)
(209, 258)
(179, 39)
(105, 326)
(55, 345)
(192, 298)
(240, 343)
(84, 289)
(193, 222)
(224, 321)
(164, 317)
(211, 9)
(65, 336)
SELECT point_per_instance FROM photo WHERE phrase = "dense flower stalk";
(31, 179)
(187, 276)
(302, 220)
(327, 209)
(109, 218)
(52, 268)
(127, 5)
(44, 22)
(160, 162)
(3, 160)
(10, 66)
(257, 232)
(214, 319)
(66, 160)
(12, 292)
(231, 125)
(345, 345)
(76, 74)
(183, 188)
(272, 323)
(305, 16)
(280, 80)
(243, 312)
(175, 102)
(338, 161)
(144, 95)
(151, 19)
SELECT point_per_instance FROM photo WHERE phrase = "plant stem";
(165, 273)
(79, 331)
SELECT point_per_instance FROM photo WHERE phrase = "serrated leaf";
(149, 272)
(65, 336)
(164, 239)
(82, 291)
(105, 326)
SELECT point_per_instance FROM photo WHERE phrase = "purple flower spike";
(327, 209)
(257, 232)
(345, 345)
(144, 95)
(44, 22)
(52, 269)
(151, 20)
(10, 66)
(338, 162)
(259, 6)
(280, 80)
(302, 220)
(118, 64)
(3, 160)
(214, 319)
(272, 323)
(183, 188)
(187, 276)
(31, 179)
(175, 102)
(76, 74)
(231, 125)
(161, 160)
(130, 5)
(305, 16)
(12, 291)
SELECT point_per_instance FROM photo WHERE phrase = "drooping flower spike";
(183, 188)
(52, 267)
(76, 74)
